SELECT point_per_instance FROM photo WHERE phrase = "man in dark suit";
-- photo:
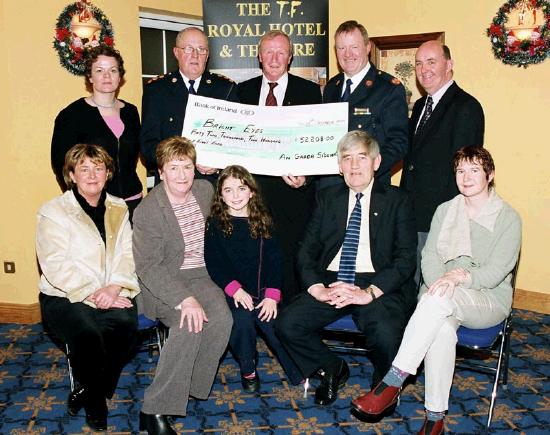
(374, 283)
(165, 97)
(377, 102)
(290, 197)
(442, 122)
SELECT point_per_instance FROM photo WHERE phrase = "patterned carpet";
(34, 386)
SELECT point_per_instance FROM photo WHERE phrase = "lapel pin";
(375, 213)
(368, 83)
(208, 81)
(174, 80)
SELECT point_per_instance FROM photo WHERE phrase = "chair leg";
(150, 346)
(497, 375)
(71, 377)
(159, 339)
(506, 366)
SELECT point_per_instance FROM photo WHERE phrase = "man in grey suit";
(442, 122)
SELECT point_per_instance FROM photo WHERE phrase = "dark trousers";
(243, 342)
(100, 341)
(299, 326)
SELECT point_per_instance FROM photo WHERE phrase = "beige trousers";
(431, 336)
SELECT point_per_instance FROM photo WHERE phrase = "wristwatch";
(370, 291)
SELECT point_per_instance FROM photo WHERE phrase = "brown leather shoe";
(378, 402)
(432, 427)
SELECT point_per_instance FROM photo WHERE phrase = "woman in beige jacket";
(84, 247)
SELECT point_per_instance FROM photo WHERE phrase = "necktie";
(347, 91)
(346, 270)
(427, 114)
(271, 100)
(192, 87)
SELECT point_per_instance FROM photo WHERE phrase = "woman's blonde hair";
(78, 153)
(175, 148)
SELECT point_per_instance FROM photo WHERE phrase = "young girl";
(244, 260)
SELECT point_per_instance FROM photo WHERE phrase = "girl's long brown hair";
(259, 219)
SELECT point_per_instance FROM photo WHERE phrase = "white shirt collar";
(279, 91)
(356, 78)
(439, 94)
(195, 84)
(282, 81)
(366, 192)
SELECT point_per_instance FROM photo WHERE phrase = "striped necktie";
(346, 271)
(192, 87)
(271, 100)
(426, 116)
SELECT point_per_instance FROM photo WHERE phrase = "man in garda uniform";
(377, 102)
(165, 97)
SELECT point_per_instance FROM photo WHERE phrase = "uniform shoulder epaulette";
(389, 78)
(154, 79)
(221, 76)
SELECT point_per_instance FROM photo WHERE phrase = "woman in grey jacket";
(169, 254)
(467, 263)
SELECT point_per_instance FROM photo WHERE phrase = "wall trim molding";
(532, 301)
(28, 314)
(20, 313)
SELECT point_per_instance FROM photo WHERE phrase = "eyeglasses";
(201, 51)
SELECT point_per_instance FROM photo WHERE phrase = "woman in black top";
(102, 119)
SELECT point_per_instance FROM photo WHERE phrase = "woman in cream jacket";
(88, 281)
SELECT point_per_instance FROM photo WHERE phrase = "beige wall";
(34, 88)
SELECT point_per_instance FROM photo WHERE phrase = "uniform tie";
(192, 87)
(347, 91)
(346, 270)
(271, 100)
(426, 116)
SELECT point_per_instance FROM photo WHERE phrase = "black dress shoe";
(251, 385)
(155, 424)
(96, 414)
(327, 391)
(75, 401)
(97, 423)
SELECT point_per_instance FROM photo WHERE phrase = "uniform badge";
(368, 83)
(361, 111)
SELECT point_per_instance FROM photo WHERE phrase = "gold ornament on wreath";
(80, 26)
(520, 32)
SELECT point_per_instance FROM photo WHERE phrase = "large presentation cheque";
(297, 140)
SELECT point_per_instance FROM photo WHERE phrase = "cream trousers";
(431, 336)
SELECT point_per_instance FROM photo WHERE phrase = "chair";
(343, 336)
(155, 330)
(489, 343)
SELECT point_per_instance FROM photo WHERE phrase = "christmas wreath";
(521, 50)
(69, 46)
